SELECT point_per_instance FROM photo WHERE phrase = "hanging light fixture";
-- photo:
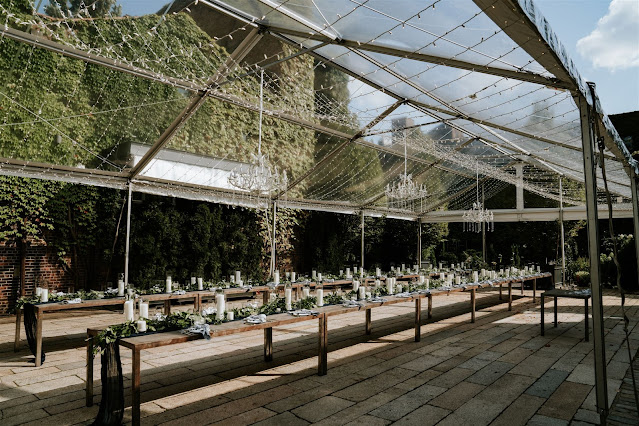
(477, 216)
(258, 177)
(404, 189)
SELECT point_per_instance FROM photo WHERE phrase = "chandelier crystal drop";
(259, 177)
(476, 217)
(405, 189)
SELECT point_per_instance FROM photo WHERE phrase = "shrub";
(582, 278)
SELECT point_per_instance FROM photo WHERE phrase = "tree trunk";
(23, 266)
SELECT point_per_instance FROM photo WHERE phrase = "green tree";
(95, 9)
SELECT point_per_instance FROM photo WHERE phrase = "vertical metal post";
(362, 257)
(635, 210)
(128, 235)
(561, 229)
(419, 243)
(519, 193)
(483, 228)
(272, 271)
(590, 174)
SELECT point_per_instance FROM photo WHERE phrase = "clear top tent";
(354, 92)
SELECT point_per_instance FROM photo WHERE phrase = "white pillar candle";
(362, 293)
(483, 272)
(288, 297)
(38, 291)
(348, 272)
(355, 270)
(361, 272)
(378, 283)
(462, 265)
(193, 280)
(452, 266)
(507, 273)
(538, 268)
(378, 272)
(232, 278)
(440, 265)
(230, 315)
(293, 277)
(238, 276)
(355, 285)
(120, 287)
(403, 267)
(276, 277)
(144, 310)
(313, 274)
(421, 279)
(220, 303)
(168, 284)
(442, 276)
(200, 283)
(141, 326)
(319, 293)
(319, 277)
(128, 310)
(475, 277)
(427, 282)
(306, 292)
(457, 280)
(44, 295)
(390, 287)
(399, 288)
(341, 272)
(501, 272)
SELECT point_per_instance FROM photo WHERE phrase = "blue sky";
(600, 59)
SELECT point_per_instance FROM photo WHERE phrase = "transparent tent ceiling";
(355, 93)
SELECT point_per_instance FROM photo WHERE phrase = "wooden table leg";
(196, 303)
(89, 383)
(542, 314)
(16, 343)
(369, 326)
(555, 311)
(135, 387)
(266, 297)
(38, 354)
(510, 296)
(322, 359)
(500, 297)
(522, 287)
(535, 290)
(430, 306)
(586, 307)
(298, 292)
(472, 305)
(268, 344)
(418, 319)
(167, 307)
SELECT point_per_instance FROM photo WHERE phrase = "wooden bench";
(572, 294)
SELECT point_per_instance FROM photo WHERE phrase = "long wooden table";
(139, 343)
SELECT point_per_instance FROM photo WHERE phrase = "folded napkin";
(303, 313)
(179, 292)
(377, 300)
(256, 319)
(351, 303)
(71, 301)
(404, 294)
(208, 311)
(202, 329)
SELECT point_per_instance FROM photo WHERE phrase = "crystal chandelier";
(405, 189)
(477, 216)
(258, 176)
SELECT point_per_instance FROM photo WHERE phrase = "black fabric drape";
(30, 328)
(111, 410)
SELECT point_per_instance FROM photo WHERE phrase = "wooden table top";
(60, 306)
(574, 294)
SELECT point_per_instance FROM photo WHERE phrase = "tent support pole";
(419, 243)
(272, 269)
(128, 234)
(588, 140)
(635, 209)
(483, 227)
(561, 230)
(362, 257)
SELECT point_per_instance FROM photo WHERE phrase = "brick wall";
(42, 265)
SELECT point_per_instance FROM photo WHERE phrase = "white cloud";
(614, 43)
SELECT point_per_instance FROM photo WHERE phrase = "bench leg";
(555, 312)
(135, 388)
(369, 326)
(196, 303)
(16, 344)
(418, 319)
(322, 359)
(586, 307)
(535, 290)
(38, 355)
(430, 306)
(522, 287)
(266, 297)
(510, 296)
(542, 314)
(268, 344)
(472, 305)
(89, 383)
(167, 307)
(500, 297)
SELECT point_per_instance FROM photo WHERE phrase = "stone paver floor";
(497, 371)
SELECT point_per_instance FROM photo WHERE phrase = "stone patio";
(497, 371)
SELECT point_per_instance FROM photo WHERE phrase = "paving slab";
(548, 383)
